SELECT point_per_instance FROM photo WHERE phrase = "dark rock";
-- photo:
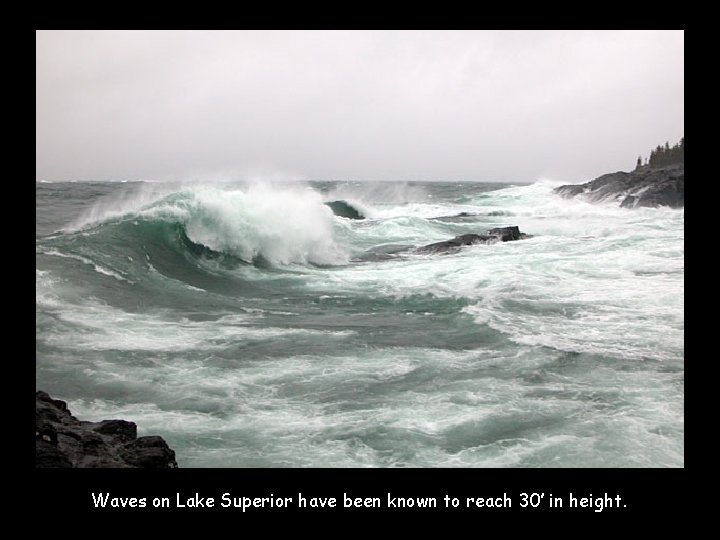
(45, 397)
(452, 245)
(570, 190)
(48, 455)
(383, 252)
(345, 209)
(50, 409)
(93, 444)
(149, 452)
(500, 234)
(506, 234)
(462, 217)
(121, 430)
(629, 201)
(61, 440)
(645, 186)
(469, 217)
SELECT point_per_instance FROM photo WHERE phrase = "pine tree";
(662, 156)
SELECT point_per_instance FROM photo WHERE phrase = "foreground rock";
(645, 186)
(61, 440)
(501, 234)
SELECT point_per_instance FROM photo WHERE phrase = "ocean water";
(251, 327)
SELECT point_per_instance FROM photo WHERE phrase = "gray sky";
(443, 105)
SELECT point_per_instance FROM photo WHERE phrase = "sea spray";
(283, 225)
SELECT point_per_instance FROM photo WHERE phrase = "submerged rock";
(500, 234)
(645, 186)
(457, 218)
(384, 252)
(61, 440)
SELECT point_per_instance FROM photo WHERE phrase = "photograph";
(345, 249)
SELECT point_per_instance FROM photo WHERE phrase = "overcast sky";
(442, 105)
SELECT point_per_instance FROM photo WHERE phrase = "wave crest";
(281, 226)
(288, 225)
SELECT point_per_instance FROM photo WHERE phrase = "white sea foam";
(101, 327)
(98, 268)
(283, 224)
(338, 408)
(595, 278)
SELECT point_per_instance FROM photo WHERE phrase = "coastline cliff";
(659, 182)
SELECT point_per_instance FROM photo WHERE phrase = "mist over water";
(251, 327)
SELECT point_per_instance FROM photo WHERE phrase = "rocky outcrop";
(645, 186)
(345, 209)
(61, 440)
(501, 234)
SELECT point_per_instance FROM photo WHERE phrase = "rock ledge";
(645, 186)
(63, 441)
(499, 234)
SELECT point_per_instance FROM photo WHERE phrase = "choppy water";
(251, 327)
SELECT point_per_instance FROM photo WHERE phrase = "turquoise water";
(251, 327)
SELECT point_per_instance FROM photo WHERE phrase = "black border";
(645, 493)
(653, 496)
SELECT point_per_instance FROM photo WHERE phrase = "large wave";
(280, 226)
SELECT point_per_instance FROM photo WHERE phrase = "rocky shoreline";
(644, 187)
(63, 441)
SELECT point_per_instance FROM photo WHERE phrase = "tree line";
(662, 156)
